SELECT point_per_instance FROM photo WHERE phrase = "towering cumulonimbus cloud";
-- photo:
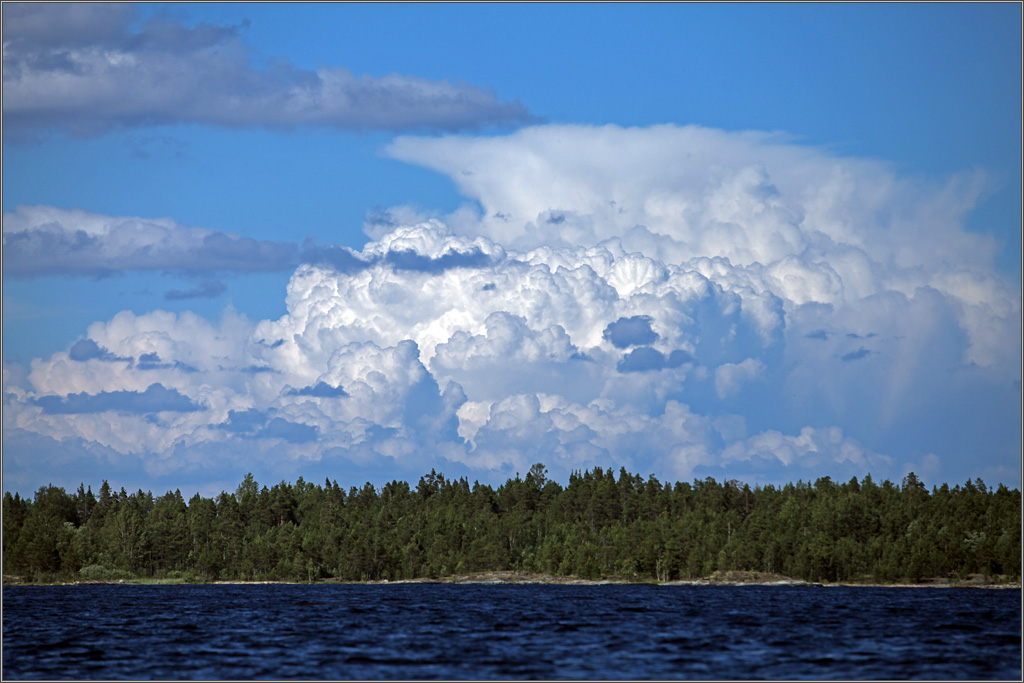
(808, 226)
(677, 300)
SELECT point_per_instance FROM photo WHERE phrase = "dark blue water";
(509, 631)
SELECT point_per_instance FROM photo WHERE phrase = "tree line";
(599, 525)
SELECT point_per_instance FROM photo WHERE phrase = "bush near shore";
(600, 525)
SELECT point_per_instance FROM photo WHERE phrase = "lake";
(509, 631)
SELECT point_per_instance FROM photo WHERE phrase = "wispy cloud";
(856, 355)
(45, 240)
(82, 69)
(207, 289)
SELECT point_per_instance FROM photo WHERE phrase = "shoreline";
(532, 578)
(746, 579)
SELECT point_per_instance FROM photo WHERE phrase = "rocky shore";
(718, 578)
(513, 577)
(510, 577)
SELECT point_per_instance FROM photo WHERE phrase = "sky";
(769, 242)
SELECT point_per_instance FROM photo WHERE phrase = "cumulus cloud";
(82, 69)
(812, 447)
(683, 301)
(760, 212)
(730, 376)
(675, 193)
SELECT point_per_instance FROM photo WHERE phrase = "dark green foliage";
(600, 525)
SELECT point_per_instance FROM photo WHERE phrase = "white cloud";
(811, 448)
(729, 377)
(745, 305)
(90, 72)
(676, 193)
(46, 240)
(771, 222)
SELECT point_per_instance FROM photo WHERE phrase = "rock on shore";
(731, 578)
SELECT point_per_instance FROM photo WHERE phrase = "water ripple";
(502, 632)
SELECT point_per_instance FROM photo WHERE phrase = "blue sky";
(811, 266)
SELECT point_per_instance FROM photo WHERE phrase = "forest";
(599, 525)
